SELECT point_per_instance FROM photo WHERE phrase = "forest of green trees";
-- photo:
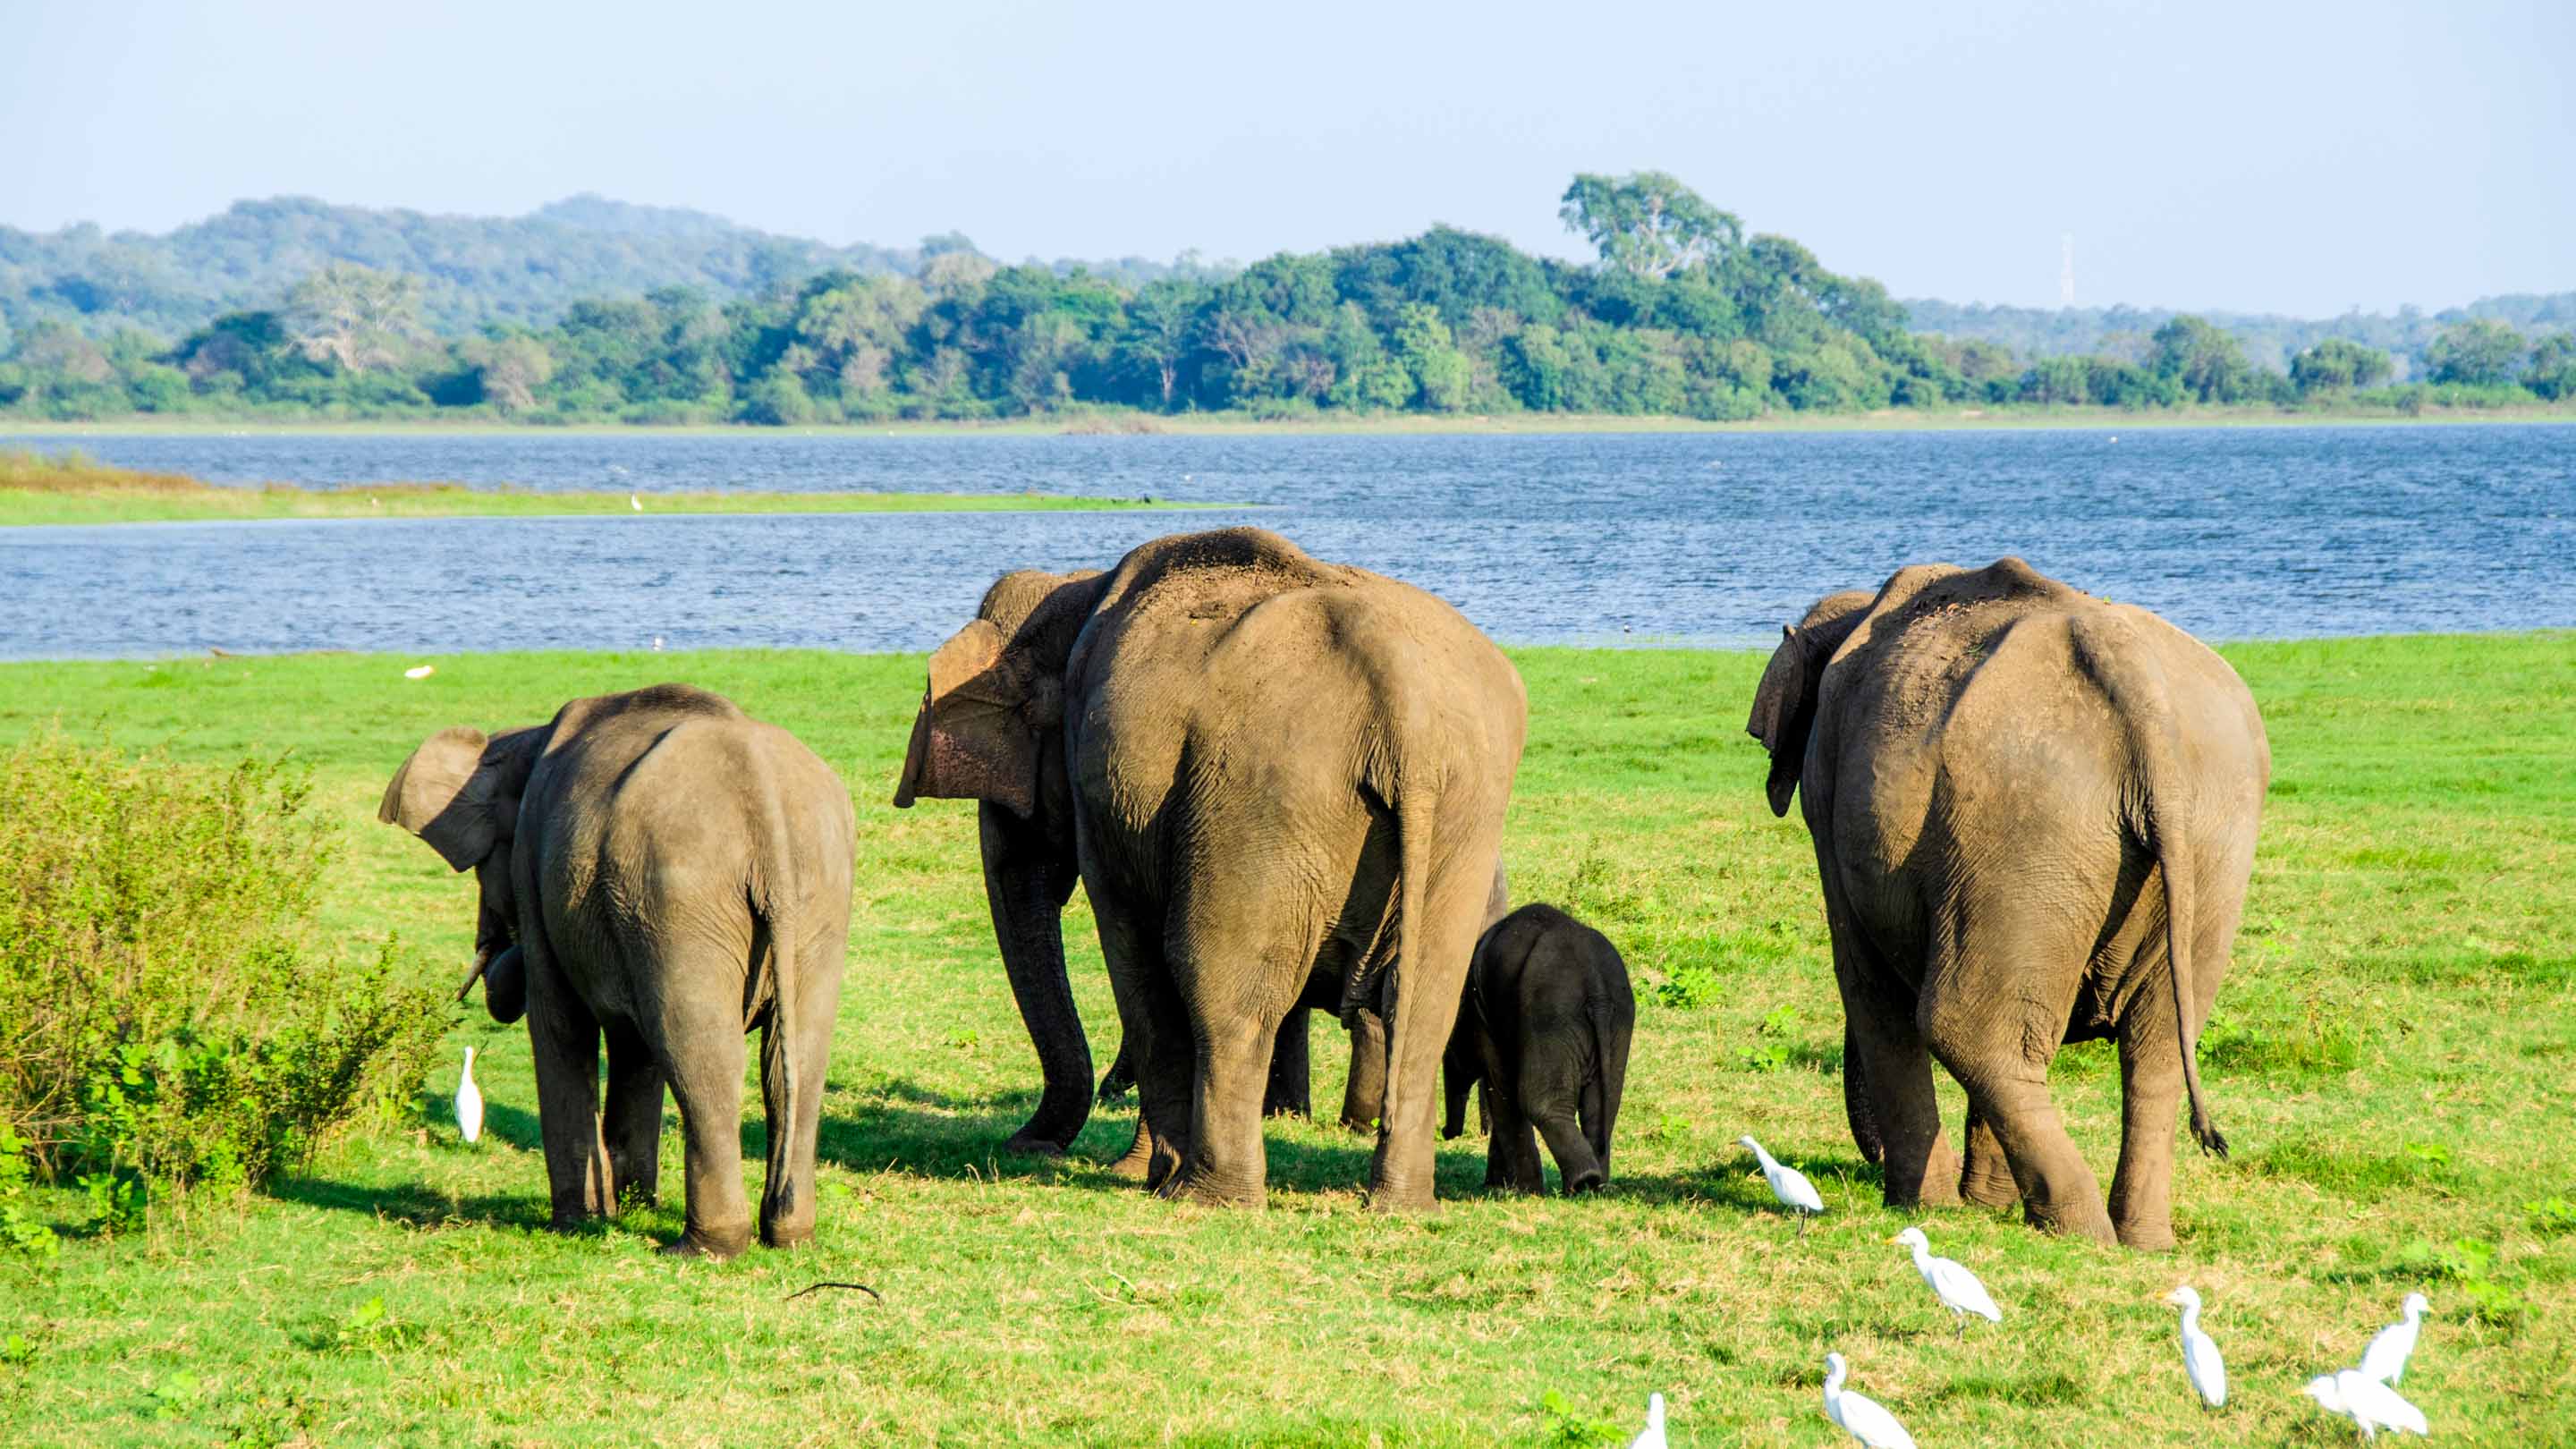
(1683, 314)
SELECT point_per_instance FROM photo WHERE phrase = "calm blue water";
(2231, 533)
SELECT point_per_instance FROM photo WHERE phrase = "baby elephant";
(1544, 1028)
(660, 869)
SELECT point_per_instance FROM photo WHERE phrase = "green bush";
(167, 1015)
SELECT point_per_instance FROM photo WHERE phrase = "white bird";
(420, 671)
(2199, 1351)
(469, 1103)
(1956, 1287)
(1859, 1415)
(1788, 1184)
(635, 501)
(657, 642)
(2366, 1401)
(2385, 1359)
(1653, 1437)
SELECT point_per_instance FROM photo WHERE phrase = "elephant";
(1278, 780)
(662, 870)
(1544, 1028)
(2034, 816)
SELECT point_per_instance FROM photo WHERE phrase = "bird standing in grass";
(1956, 1287)
(1788, 1184)
(2370, 1404)
(635, 501)
(2199, 1351)
(469, 1103)
(1859, 1415)
(1653, 1437)
(2385, 1359)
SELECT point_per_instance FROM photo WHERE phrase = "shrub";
(166, 1016)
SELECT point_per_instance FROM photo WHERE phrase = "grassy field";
(2391, 1057)
(36, 489)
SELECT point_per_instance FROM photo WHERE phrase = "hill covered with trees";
(393, 315)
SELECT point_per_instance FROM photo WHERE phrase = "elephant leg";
(1364, 1091)
(788, 1194)
(1856, 1102)
(702, 1040)
(631, 1121)
(1512, 1162)
(1226, 1163)
(1896, 1072)
(1291, 1092)
(1134, 955)
(563, 1038)
(1596, 1126)
(1121, 1077)
(1986, 1179)
(1578, 1168)
(1429, 981)
(2150, 1102)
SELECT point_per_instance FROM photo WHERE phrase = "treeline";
(1683, 314)
(2270, 341)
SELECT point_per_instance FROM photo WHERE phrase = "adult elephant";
(1278, 780)
(660, 869)
(2034, 815)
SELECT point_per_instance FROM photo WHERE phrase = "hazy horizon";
(2220, 159)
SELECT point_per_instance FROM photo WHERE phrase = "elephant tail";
(773, 904)
(2121, 663)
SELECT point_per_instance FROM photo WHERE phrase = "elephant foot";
(2095, 1225)
(1989, 1190)
(695, 1245)
(1200, 1187)
(1589, 1182)
(2149, 1237)
(1350, 1123)
(1023, 1145)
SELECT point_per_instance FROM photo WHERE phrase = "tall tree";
(355, 316)
(1649, 223)
(2479, 353)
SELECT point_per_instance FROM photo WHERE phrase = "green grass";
(37, 489)
(2391, 1057)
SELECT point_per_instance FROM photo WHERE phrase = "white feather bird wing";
(1960, 1289)
(2208, 1371)
(2379, 1403)
(1863, 1419)
(1791, 1187)
(2390, 1347)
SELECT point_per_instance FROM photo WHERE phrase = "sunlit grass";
(38, 488)
(2390, 1056)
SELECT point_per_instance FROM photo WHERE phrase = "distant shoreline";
(1401, 425)
(36, 491)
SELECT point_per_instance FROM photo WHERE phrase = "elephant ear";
(1784, 711)
(976, 737)
(459, 792)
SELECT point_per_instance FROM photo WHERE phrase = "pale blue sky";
(2300, 157)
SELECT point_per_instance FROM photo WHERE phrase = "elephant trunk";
(1027, 881)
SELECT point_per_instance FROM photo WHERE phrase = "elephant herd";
(1281, 784)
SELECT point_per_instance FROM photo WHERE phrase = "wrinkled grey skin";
(1543, 1031)
(1275, 778)
(660, 870)
(2034, 816)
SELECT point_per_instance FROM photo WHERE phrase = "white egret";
(2199, 1351)
(635, 501)
(1653, 1437)
(2370, 1404)
(1956, 1287)
(2385, 1359)
(469, 1103)
(1788, 1184)
(1859, 1415)
(420, 671)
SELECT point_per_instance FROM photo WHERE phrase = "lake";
(1693, 538)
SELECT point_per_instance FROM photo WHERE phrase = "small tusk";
(474, 973)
